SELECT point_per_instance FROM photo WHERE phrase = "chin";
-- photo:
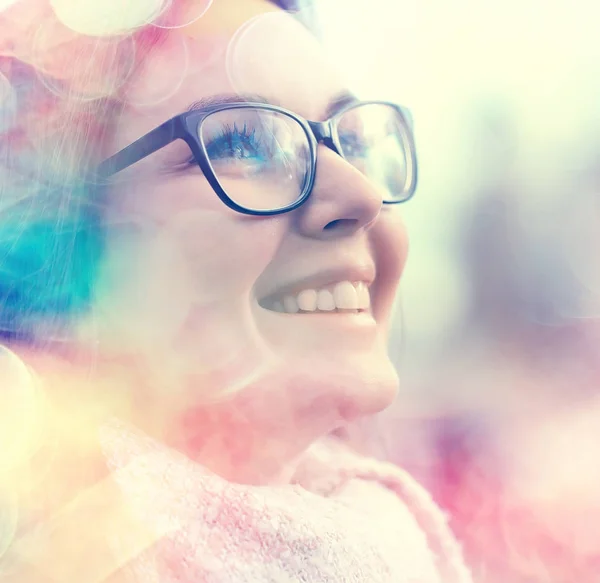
(372, 390)
(350, 385)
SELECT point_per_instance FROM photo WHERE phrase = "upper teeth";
(344, 295)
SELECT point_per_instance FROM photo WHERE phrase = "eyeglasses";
(262, 159)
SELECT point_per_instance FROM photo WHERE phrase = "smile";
(341, 297)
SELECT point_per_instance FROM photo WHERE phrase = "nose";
(342, 201)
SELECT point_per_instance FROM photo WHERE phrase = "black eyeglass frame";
(187, 127)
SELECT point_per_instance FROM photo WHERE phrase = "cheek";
(389, 240)
(220, 253)
(225, 252)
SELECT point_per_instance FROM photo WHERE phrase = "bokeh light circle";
(274, 38)
(106, 17)
(9, 517)
(4, 4)
(81, 68)
(235, 50)
(20, 408)
(243, 46)
(180, 13)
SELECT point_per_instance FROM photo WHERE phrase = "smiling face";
(256, 335)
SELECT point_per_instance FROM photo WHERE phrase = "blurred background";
(497, 334)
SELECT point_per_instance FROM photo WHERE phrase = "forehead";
(269, 54)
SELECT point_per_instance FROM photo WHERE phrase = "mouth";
(343, 297)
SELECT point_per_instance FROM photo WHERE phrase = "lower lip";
(319, 332)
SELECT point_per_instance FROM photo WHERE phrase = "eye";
(352, 145)
(237, 144)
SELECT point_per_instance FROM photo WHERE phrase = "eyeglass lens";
(374, 139)
(260, 157)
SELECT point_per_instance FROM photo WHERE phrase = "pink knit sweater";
(345, 519)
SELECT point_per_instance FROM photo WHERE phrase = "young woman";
(201, 249)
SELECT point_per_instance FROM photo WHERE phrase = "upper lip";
(352, 273)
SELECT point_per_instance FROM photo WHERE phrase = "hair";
(60, 94)
(51, 135)
(60, 98)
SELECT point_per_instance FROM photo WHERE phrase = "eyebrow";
(339, 101)
(336, 103)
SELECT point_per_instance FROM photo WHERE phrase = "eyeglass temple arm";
(151, 142)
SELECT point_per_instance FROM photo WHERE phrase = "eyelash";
(227, 135)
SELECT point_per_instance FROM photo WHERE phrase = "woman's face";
(182, 285)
